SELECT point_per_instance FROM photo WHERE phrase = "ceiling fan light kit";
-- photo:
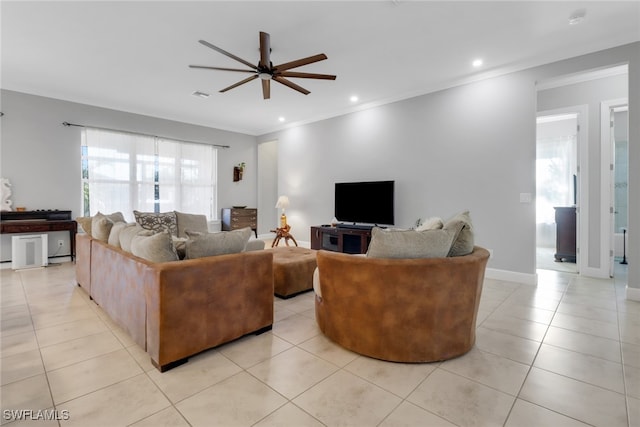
(266, 71)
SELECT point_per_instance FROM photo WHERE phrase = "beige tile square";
(240, 400)
(289, 415)
(16, 324)
(20, 366)
(64, 315)
(326, 349)
(489, 369)
(525, 312)
(90, 375)
(592, 345)
(582, 367)
(634, 411)
(142, 357)
(119, 404)
(296, 329)
(519, 327)
(253, 349)
(595, 313)
(631, 354)
(18, 343)
(575, 399)
(410, 415)
(586, 326)
(398, 378)
(632, 381)
(462, 401)
(345, 399)
(69, 331)
(30, 393)
(168, 417)
(292, 371)
(69, 352)
(198, 373)
(525, 414)
(506, 345)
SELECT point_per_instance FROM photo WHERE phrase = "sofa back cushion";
(208, 244)
(191, 222)
(154, 247)
(114, 235)
(157, 222)
(410, 243)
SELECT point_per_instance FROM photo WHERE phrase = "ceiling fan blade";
(241, 82)
(307, 75)
(265, 50)
(292, 85)
(266, 89)
(300, 62)
(230, 55)
(223, 69)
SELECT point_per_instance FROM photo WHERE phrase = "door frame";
(582, 214)
(607, 216)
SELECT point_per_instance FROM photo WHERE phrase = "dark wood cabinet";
(236, 218)
(337, 239)
(565, 234)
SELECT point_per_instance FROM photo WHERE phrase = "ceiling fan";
(266, 71)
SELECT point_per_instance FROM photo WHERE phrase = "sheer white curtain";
(124, 171)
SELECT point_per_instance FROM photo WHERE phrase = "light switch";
(525, 197)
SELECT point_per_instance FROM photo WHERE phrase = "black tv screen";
(365, 202)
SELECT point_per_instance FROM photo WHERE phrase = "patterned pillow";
(158, 221)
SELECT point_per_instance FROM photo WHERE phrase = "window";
(125, 171)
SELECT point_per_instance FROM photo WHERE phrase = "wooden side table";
(283, 233)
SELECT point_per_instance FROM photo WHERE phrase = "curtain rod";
(67, 124)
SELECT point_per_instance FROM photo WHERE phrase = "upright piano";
(39, 221)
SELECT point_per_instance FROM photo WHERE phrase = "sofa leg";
(171, 365)
(263, 330)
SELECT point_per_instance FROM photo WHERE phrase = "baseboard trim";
(633, 294)
(511, 276)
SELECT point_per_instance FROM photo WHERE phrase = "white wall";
(470, 147)
(41, 157)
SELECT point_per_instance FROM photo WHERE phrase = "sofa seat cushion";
(201, 245)
(410, 243)
(157, 222)
(154, 247)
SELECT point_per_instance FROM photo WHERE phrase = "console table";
(339, 239)
(236, 218)
(40, 222)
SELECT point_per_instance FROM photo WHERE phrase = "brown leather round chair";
(400, 310)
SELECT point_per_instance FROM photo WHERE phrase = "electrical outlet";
(60, 242)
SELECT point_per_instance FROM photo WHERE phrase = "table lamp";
(283, 203)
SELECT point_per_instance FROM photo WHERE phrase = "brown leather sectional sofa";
(177, 309)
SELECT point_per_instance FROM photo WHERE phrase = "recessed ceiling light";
(200, 94)
(476, 63)
(353, 98)
(281, 119)
(577, 17)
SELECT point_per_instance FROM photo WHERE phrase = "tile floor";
(563, 353)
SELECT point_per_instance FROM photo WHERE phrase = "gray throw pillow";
(410, 243)
(191, 222)
(156, 247)
(114, 235)
(208, 244)
(464, 241)
(157, 221)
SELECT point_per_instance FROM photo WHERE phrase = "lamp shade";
(283, 202)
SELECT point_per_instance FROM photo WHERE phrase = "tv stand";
(341, 239)
(356, 226)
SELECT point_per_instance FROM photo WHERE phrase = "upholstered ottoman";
(293, 269)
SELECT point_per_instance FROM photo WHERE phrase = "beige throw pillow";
(127, 235)
(85, 221)
(101, 227)
(464, 240)
(191, 222)
(208, 244)
(114, 235)
(156, 247)
(410, 243)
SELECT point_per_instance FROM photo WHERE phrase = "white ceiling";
(134, 56)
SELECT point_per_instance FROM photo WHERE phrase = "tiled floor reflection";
(563, 353)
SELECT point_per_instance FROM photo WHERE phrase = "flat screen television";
(365, 202)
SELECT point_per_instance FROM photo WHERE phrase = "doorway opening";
(557, 191)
